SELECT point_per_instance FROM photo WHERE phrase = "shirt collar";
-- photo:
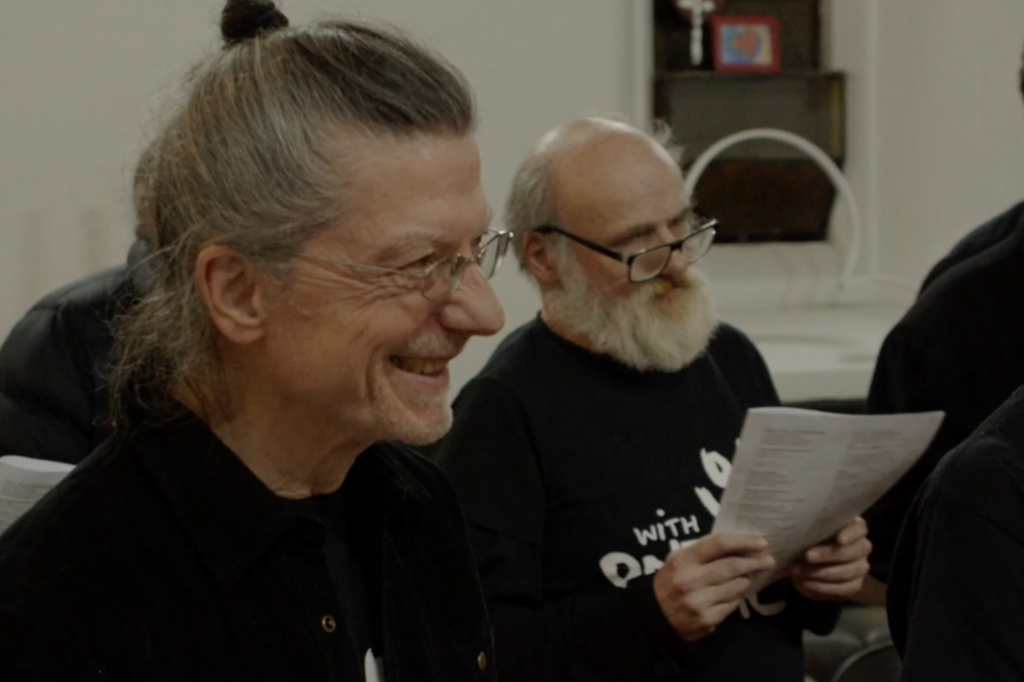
(227, 512)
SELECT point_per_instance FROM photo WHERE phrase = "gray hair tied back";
(242, 20)
(258, 155)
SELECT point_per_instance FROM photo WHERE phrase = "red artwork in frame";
(746, 43)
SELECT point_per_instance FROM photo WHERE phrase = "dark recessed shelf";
(703, 107)
(761, 190)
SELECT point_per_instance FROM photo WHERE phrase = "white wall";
(82, 83)
(951, 134)
(935, 123)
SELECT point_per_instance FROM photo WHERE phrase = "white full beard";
(641, 331)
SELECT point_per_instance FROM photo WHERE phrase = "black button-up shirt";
(162, 557)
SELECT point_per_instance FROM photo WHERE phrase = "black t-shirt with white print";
(578, 475)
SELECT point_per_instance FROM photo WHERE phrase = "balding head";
(582, 133)
(567, 157)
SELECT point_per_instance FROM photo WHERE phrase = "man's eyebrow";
(644, 229)
(634, 232)
(414, 239)
(683, 215)
(405, 242)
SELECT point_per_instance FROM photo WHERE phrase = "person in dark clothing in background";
(982, 237)
(54, 402)
(977, 241)
(591, 451)
(323, 254)
(956, 591)
(958, 349)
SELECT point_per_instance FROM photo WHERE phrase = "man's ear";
(540, 258)
(233, 292)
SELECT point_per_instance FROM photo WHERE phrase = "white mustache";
(447, 346)
(662, 284)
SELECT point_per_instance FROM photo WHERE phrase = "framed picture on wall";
(746, 43)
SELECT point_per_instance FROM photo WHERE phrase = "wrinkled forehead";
(409, 191)
(615, 181)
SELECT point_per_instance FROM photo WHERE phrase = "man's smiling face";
(365, 350)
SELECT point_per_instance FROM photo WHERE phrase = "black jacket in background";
(162, 558)
(976, 241)
(53, 397)
(956, 594)
(958, 349)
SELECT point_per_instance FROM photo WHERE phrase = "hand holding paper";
(834, 571)
(799, 476)
(701, 584)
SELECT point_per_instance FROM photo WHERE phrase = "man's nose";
(473, 308)
(678, 261)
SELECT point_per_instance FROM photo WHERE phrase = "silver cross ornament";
(698, 9)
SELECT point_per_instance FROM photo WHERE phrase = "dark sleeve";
(816, 616)
(955, 593)
(45, 403)
(976, 242)
(489, 456)
(28, 655)
(911, 376)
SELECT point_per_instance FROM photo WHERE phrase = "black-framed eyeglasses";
(647, 264)
(442, 278)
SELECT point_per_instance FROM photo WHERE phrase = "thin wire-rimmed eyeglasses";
(647, 264)
(442, 278)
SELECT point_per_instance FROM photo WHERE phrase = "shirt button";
(481, 661)
(328, 623)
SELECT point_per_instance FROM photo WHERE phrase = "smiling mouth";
(423, 366)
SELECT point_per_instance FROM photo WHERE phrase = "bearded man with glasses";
(591, 451)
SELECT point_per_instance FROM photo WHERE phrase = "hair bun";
(243, 20)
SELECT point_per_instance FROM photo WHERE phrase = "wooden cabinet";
(759, 190)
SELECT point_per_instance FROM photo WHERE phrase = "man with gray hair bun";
(591, 451)
(324, 253)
